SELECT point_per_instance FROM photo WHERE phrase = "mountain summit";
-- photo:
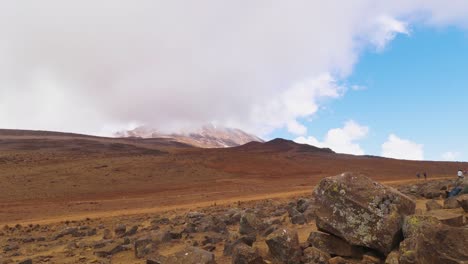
(208, 136)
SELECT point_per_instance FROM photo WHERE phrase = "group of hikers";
(460, 186)
(419, 175)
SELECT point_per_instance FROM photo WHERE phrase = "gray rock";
(120, 230)
(249, 224)
(312, 255)
(191, 255)
(284, 247)
(143, 247)
(333, 245)
(243, 254)
(65, 232)
(111, 249)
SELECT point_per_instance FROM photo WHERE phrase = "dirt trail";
(106, 213)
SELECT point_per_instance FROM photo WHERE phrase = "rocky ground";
(360, 221)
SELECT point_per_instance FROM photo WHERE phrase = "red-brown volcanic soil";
(49, 176)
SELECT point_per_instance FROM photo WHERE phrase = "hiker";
(418, 175)
(461, 185)
(425, 176)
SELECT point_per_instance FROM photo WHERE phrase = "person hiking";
(425, 175)
(418, 175)
(461, 185)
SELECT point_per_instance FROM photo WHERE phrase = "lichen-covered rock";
(393, 258)
(429, 241)
(333, 245)
(243, 254)
(361, 211)
(312, 255)
(284, 247)
(191, 255)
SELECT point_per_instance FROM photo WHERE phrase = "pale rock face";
(208, 136)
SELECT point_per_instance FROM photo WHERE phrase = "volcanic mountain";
(208, 136)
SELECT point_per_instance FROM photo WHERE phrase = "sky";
(363, 77)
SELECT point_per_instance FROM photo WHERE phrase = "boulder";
(451, 203)
(333, 245)
(231, 244)
(243, 254)
(120, 230)
(198, 222)
(143, 247)
(393, 258)
(451, 217)
(132, 231)
(191, 255)
(370, 258)
(312, 255)
(429, 241)
(433, 205)
(341, 260)
(249, 224)
(283, 245)
(303, 204)
(65, 232)
(107, 234)
(111, 249)
(463, 202)
(361, 211)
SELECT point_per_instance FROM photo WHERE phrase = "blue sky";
(415, 88)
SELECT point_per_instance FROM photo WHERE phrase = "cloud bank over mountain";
(103, 66)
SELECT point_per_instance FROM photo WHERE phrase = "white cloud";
(342, 140)
(299, 101)
(399, 148)
(386, 28)
(88, 65)
(451, 156)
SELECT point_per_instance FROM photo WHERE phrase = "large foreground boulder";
(427, 240)
(361, 211)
